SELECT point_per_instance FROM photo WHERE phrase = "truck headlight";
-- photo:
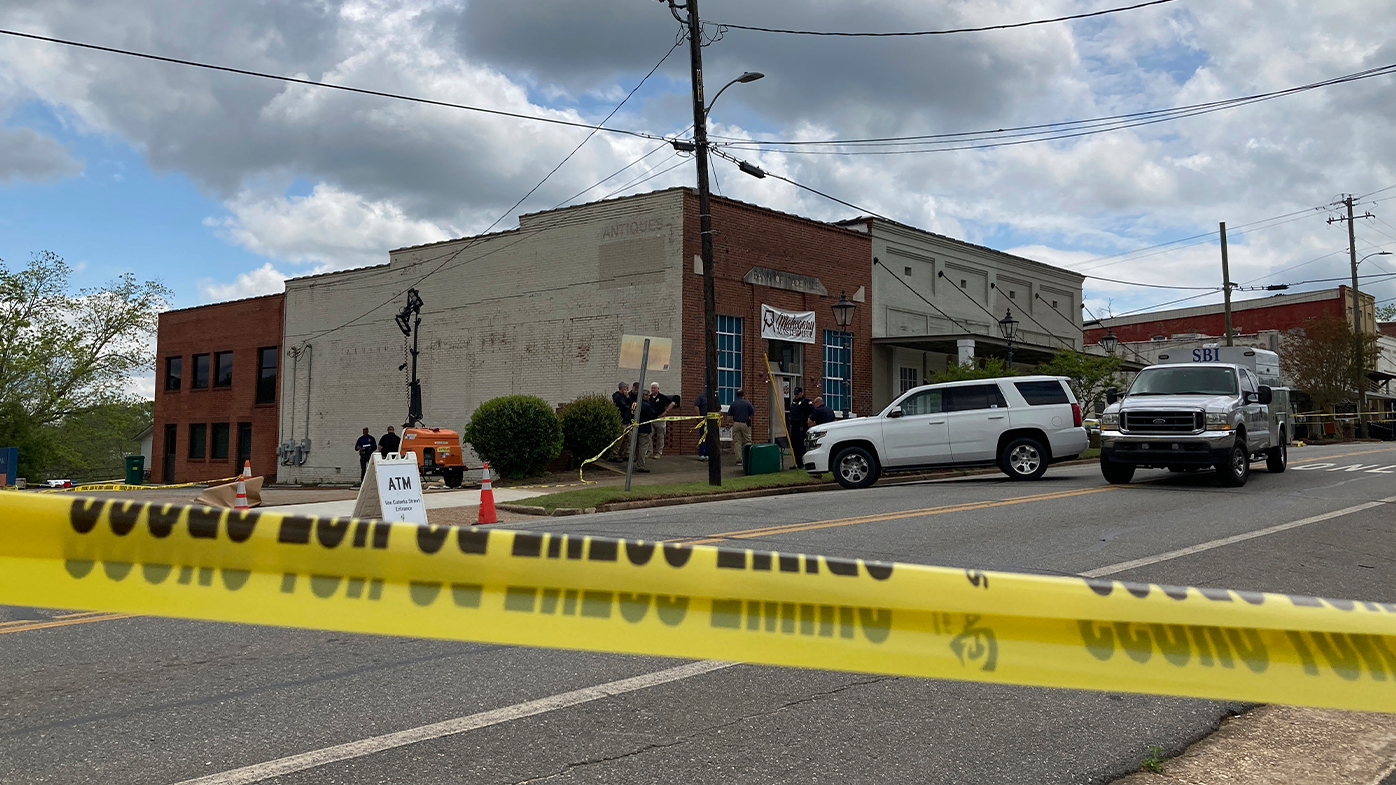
(812, 438)
(1110, 422)
(1218, 421)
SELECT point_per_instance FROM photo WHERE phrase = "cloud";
(330, 228)
(27, 155)
(263, 280)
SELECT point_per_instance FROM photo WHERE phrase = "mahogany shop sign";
(797, 326)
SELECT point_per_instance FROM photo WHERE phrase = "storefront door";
(787, 368)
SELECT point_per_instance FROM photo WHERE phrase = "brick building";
(216, 390)
(540, 310)
(1279, 314)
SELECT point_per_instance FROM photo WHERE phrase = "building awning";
(984, 346)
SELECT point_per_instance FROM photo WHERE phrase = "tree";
(1089, 375)
(1386, 313)
(62, 353)
(93, 444)
(1320, 358)
(64, 356)
(993, 368)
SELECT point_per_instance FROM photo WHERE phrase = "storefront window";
(729, 357)
(837, 362)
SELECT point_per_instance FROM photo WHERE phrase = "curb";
(779, 490)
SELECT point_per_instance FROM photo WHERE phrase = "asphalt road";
(96, 698)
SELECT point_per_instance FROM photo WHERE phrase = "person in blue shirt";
(366, 445)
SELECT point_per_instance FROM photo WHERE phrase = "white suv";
(1019, 424)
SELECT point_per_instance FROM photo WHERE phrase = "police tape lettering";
(676, 600)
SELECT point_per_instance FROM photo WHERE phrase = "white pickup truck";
(1019, 424)
(1207, 408)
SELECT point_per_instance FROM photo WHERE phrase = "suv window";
(1042, 393)
(928, 402)
(978, 396)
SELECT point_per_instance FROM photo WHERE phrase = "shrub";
(589, 425)
(517, 434)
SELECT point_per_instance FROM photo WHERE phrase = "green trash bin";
(762, 459)
(135, 469)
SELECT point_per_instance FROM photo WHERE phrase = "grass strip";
(591, 497)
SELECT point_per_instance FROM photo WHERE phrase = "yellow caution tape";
(674, 600)
(116, 486)
(624, 432)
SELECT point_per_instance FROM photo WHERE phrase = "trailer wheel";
(1277, 458)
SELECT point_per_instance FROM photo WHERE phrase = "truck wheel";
(1116, 473)
(1277, 458)
(1023, 459)
(453, 476)
(1233, 472)
(855, 467)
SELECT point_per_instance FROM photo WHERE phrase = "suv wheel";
(1236, 469)
(855, 467)
(1277, 458)
(1116, 473)
(1023, 459)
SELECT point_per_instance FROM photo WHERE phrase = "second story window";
(266, 374)
(174, 369)
(200, 380)
(223, 369)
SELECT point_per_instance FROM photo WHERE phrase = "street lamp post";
(843, 316)
(1109, 342)
(1008, 328)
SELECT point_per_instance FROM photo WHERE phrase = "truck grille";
(1161, 422)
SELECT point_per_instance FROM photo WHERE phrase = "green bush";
(589, 425)
(517, 434)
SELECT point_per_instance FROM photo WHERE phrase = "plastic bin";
(135, 469)
(761, 459)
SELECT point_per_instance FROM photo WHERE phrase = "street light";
(747, 76)
(1109, 342)
(843, 316)
(1008, 328)
(1375, 253)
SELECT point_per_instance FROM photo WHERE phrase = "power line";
(921, 296)
(1045, 132)
(327, 85)
(986, 28)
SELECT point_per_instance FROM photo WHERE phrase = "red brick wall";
(242, 327)
(746, 236)
(1250, 320)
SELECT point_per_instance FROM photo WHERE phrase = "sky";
(223, 185)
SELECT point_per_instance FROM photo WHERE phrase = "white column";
(966, 347)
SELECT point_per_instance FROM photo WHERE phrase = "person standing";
(663, 407)
(365, 447)
(644, 415)
(741, 411)
(797, 421)
(388, 442)
(621, 398)
(822, 414)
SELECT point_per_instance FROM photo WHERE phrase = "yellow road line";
(891, 516)
(1344, 455)
(26, 625)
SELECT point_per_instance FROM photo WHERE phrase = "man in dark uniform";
(389, 442)
(621, 398)
(822, 414)
(796, 420)
(365, 446)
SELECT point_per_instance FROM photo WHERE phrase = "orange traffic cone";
(240, 501)
(487, 513)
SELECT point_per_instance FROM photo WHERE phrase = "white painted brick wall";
(519, 312)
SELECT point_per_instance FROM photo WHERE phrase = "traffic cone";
(487, 513)
(240, 501)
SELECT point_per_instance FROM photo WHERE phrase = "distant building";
(216, 390)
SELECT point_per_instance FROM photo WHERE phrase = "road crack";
(684, 739)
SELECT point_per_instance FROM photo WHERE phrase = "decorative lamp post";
(843, 316)
(1008, 328)
(1109, 342)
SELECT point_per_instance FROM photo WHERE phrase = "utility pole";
(1359, 373)
(705, 230)
(1226, 284)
